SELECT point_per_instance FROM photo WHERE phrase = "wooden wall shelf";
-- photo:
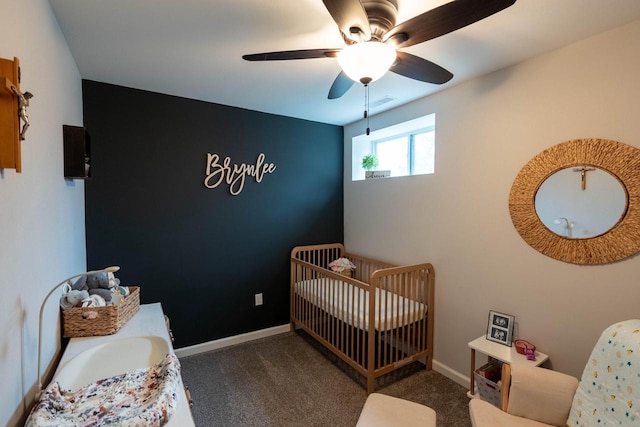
(9, 119)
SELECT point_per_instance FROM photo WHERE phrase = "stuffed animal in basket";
(73, 298)
(79, 298)
(104, 284)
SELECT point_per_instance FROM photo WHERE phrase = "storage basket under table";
(487, 389)
(107, 320)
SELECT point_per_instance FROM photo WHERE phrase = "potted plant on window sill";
(369, 164)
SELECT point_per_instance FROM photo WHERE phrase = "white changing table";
(148, 321)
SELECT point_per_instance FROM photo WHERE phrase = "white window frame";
(366, 144)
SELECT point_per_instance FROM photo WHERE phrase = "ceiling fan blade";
(292, 54)
(340, 86)
(351, 18)
(444, 19)
(417, 68)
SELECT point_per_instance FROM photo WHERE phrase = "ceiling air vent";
(381, 101)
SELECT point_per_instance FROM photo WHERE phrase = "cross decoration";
(583, 175)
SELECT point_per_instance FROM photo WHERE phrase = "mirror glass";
(581, 201)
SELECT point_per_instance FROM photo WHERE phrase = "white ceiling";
(194, 48)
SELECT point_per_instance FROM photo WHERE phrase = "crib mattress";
(350, 304)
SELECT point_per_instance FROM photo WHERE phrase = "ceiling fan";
(369, 29)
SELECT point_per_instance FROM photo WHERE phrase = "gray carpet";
(287, 380)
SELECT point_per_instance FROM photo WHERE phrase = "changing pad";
(144, 397)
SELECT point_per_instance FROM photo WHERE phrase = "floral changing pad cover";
(144, 397)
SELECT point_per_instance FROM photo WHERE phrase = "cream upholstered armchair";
(608, 393)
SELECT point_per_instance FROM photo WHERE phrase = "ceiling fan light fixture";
(366, 61)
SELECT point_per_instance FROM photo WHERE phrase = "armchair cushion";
(381, 410)
(484, 414)
(541, 394)
(609, 392)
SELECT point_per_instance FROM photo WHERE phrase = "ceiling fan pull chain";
(366, 106)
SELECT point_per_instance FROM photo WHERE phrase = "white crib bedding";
(338, 298)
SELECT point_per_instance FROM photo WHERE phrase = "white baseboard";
(453, 375)
(229, 341)
(439, 367)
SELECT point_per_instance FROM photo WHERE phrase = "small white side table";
(500, 352)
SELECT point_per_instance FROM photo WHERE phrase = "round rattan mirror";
(621, 241)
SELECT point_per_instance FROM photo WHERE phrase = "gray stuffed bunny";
(103, 284)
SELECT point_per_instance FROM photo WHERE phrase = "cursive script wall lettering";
(234, 175)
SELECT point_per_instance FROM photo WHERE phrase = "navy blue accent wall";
(204, 253)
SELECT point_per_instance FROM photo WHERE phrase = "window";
(404, 149)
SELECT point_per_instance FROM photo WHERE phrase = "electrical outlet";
(258, 299)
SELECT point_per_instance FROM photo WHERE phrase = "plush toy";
(73, 298)
(113, 282)
(102, 280)
(94, 301)
(93, 290)
(80, 284)
(104, 293)
(103, 284)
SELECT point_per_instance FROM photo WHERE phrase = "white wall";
(458, 219)
(41, 214)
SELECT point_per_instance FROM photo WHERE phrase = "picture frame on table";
(500, 328)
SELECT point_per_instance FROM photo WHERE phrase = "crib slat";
(381, 307)
(356, 306)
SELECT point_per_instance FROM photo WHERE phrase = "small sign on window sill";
(377, 174)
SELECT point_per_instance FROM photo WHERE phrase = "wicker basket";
(110, 318)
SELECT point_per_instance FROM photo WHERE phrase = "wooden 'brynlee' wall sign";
(234, 175)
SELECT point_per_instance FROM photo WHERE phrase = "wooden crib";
(338, 311)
